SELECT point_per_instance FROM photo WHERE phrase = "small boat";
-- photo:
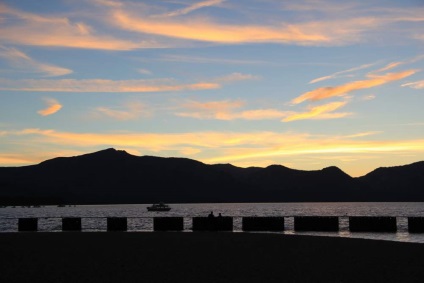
(159, 207)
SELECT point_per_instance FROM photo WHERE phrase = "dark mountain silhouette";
(114, 176)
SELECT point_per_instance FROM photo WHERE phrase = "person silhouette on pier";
(211, 215)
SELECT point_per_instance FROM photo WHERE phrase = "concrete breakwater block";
(372, 224)
(224, 223)
(168, 223)
(71, 224)
(416, 224)
(316, 223)
(28, 224)
(263, 223)
(117, 224)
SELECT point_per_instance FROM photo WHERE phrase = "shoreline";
(204, 257)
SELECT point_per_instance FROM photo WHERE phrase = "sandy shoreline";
(204, 257)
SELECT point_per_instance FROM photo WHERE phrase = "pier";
(246, 223)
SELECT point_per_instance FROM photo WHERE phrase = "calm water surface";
(94, 216)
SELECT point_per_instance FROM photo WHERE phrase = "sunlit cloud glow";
(22, 61)
(52, 107)
(101, 85)
(342, 90)
(130, 111)
(320, 112)
(206, 30)
(217, 147)
(31, 29)
(228, 110)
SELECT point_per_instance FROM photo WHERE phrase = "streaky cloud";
(389, 67)
(130, 111)
(193, 7)
(224, 146)
(22, 61)
(335, 75)
(101, 85)
(416, 85)
(208, 31)
(234, 77)
(26, 28)
(209, 60)
(320, 112)
(342, 90)
(227, 110)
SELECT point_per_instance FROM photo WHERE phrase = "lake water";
(140, 220)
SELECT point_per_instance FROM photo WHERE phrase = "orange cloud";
(157, 141)
(389, 66)
(31, 29)
(242, 148)
(320, 147)
(226, 110)
(132, 111)
(203, 30)
(100, 85)
(22, 61)
(224, 145)
(15, 160)
(319, 112)
(53, 107)
(341, 90)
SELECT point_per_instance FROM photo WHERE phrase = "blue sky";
(305, 84)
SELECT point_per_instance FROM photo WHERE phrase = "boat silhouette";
(159, 207)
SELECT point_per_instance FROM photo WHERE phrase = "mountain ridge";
(115, 176)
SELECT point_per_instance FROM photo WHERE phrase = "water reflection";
(94, 216)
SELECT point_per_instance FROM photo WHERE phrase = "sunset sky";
(305, 84)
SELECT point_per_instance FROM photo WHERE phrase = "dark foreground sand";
(204, 257)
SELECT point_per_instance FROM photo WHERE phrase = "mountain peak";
(109, 152)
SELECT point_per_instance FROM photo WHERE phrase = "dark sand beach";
(204, 257)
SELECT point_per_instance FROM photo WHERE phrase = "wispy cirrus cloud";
(193, 7)
(101, 85)
(234, 77)
(22, 61)
(368, 97)
(209, 31)
(363, 134)
(389, 66)
(231, 110)
(416, 85)
(129, 111)
(144, 71)
(334, 30)
(108, 3)
(53, 106)
(227, 110)
(342, 90)
(25, 28)
(320, 112)
(337, 74)
(209, 60)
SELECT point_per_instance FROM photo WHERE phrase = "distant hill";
(114, 176)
